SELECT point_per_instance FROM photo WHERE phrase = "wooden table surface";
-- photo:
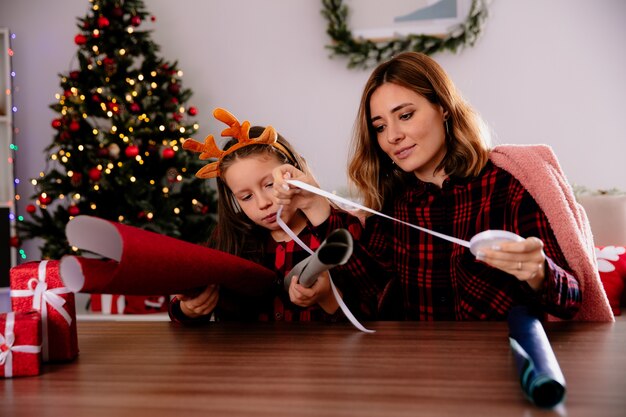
(313, 369)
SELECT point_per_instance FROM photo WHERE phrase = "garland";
(363, 53)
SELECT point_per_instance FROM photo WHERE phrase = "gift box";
(38, 286)
(128, 304)
(20, 344)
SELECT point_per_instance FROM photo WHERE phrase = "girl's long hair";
(467, 142)
(235, 232)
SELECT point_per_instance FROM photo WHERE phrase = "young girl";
(247, 227)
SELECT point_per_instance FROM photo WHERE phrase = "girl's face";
(250, 180)
(409, 129)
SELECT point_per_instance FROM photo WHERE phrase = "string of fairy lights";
(12, 152)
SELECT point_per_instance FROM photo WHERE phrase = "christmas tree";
(117, 152)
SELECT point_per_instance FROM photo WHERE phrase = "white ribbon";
(347, 202)
(106, 303)
(42, 296)
(7, 348)
(303, 245)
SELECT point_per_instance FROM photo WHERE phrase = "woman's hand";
(316, 208)
(199, 305)
(525, 260)
(320, 293)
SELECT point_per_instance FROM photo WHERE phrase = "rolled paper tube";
(335, 250)
(540, 375)
(147, 263)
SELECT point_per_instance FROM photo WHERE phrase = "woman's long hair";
(235, 232)
(467, 142)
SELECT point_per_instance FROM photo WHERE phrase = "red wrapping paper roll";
(146, 263)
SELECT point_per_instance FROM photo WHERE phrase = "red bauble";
(56, 123)
(118, 12)
(132, 151)
(103, 152)
(95, 98)
(31, 208)
(73, 210)
(80, 39)
(44, 201)
(67, 93)
(135, 21)
(192, 111)
(103, 22)
(135, 108)
(15, 242)
(64, 136)
(74, 126)
(76, 179)
(174, 88)
(178, 116)
(108, 61)
(114, 107)
(95, 174)
(153, 18)
(74, 75)
(168, 153)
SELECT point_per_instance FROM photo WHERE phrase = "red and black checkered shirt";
(439, 280)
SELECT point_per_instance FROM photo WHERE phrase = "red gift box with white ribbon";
(128, 304)
(38, 286)
(20, 344)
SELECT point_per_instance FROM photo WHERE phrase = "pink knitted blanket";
(537, 169)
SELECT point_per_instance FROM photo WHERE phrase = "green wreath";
(363, 53)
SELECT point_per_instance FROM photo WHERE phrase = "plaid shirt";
(280, 257)
(439, 280)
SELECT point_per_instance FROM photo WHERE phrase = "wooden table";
(282, 369)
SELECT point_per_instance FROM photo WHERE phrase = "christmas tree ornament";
(15, 242)
(77, 179)
(168, 153)
(103, 22)
(44, 200)
(114, 150)
(80, 39)
(95, 174)
(131, 151)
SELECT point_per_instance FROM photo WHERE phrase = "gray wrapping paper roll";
(541, 378)
(335, 250)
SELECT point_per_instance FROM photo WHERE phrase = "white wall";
(543, 72)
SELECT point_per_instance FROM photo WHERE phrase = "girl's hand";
(199, 305)
(525, 260)
(314, 207)
(286, 194)
(320, 293)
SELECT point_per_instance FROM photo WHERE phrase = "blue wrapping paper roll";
(540, 375)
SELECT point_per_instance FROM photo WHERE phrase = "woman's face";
(250, 180)
(410, 130)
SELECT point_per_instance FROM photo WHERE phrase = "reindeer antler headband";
(241, 132)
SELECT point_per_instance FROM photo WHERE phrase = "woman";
(420, 154)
